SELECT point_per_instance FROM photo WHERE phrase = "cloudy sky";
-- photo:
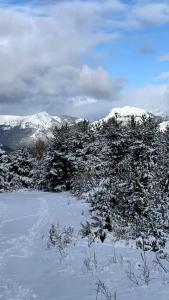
(83, 57)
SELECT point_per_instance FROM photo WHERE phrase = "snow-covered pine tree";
(130, 201)
(20, 169)
(4, 172)
(57, 163)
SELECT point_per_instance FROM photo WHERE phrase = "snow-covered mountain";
(124, 113)
(34, 121)
(16, 130)
(42, 119)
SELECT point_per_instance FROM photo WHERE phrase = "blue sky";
(83, 57)
(136, 55)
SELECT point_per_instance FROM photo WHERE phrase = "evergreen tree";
(20, 169)
(58, 163)
(4, 172)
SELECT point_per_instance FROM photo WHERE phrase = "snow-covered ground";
(31, 270)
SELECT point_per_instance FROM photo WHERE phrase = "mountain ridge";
(21, 130)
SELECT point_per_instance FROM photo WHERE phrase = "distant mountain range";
(17, 131)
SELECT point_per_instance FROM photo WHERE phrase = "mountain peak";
(17, 130)
(125, 112)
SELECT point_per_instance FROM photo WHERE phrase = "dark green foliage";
(122, 170)
(16, 170)
(4, 172)
(58, 164)
(131, 200)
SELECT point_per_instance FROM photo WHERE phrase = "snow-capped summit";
(38, 120)
(125, 112)
(25, 129)
(41, 119)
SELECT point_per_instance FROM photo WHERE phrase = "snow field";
(30, 270)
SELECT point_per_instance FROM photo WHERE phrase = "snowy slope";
(21, 130)
(41, 123)
(30, 270)
(124, 113)
(164, 125)
(40, 120)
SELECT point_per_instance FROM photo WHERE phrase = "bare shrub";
(160, 259)
(144, 276)
(146, 273)
(91, 263)
(103, 291)
(132, 276)
(38, 149)
(115, 257)
(60, 238)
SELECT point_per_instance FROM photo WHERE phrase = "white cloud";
(162, 76)
(44, 51)
(143, 13)
(152, 13)
(98, 83)
(82, 101)
(164, 57)
(42, 54)
(151, 97)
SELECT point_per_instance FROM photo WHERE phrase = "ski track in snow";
(29, 270)
(24, 243)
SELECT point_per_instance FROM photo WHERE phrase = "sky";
(83, 57)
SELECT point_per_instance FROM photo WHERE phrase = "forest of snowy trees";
(122, 170)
